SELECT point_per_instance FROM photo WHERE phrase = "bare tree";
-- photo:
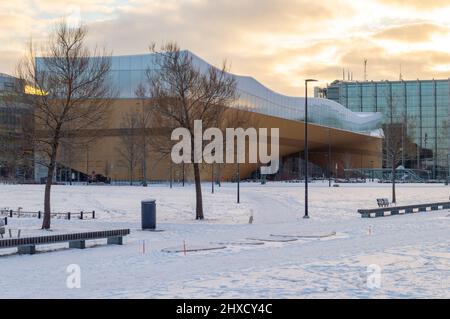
(237, 118)
(71, 93)
(182, 93)
(107, 170)
(348, 160)
(145, 124)
(154, 130)
(397, 147)
(397, 143)
(393, 151)
(69, 153)
(443, 140)
(72, 148)
(129, 148)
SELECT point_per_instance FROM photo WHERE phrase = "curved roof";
(129, 71)
(256, 97)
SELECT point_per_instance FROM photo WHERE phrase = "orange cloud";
(418, 4)
(280, 43)
(419, 32)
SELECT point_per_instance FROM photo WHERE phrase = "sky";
(278, 42)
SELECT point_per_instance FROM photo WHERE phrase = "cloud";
(253, 35)
(419, 32)
(418, 4)
(58, 8)
(385, 65)
(280, 43)
(21, 21)
(8, 61)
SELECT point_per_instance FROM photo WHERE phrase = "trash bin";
(148, 214)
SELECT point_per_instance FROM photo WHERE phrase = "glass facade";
(255, 97)
(130, 71)
(425, 104)
(13, 114)
(7, 82)
(10, 117)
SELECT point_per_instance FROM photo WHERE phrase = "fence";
(69, 215)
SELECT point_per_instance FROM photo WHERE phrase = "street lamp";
(238, 173)
(183, 174)
(306, 146)
(329, 158)
(371, 170)
(448, 168)
(212, 178)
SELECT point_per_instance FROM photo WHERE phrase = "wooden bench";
(383, 202)
(397, 210)
(27, 245)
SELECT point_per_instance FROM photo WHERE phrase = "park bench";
(407, 209)
(383, 202)
(3, 222)
(27, 245)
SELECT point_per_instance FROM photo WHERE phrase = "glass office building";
(423, 104)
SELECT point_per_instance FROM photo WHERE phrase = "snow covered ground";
(393, 257)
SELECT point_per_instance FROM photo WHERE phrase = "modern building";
(338, 136)
(15, 153)
(423, 105)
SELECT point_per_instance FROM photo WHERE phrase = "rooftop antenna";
(365, 69)
(401, 76)
(343, 74)
(348, 75)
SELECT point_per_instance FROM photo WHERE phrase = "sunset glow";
(277, 42)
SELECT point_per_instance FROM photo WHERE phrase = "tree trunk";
(144, 171)
(48, 187)
(198, 193)
(144, 162)
(183, 174)
(131, 175)
(171, 175)
(394, 200)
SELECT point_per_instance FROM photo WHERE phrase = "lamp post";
(425, 140)
(238, 184)
(171, 175)
(87, 164)
(212, 178)
(448, 169)
(183, 174)
(329, 158)
(371, 169)
(306, 216)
